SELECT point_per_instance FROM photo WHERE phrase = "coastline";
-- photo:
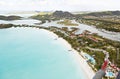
(81, 62)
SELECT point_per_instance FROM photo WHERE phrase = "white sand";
(80, 60)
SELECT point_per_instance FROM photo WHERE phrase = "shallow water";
(20, 22)
(29, 53)
(24, 20)
(107, 34)
(18, 13)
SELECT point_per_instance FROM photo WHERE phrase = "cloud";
(71, 5)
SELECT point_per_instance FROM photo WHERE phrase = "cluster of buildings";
(88, 58)
(112, 70)
(90, 36)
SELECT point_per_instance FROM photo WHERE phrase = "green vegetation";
(67, 22)
(10, 17)
(44, 18)
(83, 43)
(2, 26)
(108, 20)
(104, 13)
(110, 26)
(107, 45)
(57, 15)
(86, 41)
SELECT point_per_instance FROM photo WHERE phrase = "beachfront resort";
(89, 45)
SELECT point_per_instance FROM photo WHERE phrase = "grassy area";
(102, 24)
(67, 22)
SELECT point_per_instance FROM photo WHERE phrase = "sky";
(65, 5)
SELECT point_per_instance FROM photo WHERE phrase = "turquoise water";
(27, 53)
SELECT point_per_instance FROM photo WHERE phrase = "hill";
(61, 14)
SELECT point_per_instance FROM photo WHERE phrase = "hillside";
(105, 13)
(57, 15)
(61, 14)
(108, 20)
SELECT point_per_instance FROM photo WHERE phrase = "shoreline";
(81, 62)
(78, 58)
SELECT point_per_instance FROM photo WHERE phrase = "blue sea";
(29, 53)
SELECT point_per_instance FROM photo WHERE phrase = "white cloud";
(59, 5)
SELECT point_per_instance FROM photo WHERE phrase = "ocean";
(30, 53)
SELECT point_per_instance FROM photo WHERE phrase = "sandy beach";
(81, 62)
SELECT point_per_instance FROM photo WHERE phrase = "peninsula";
(10, 18)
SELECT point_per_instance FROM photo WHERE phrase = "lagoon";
(82, 27)
(28, 21)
